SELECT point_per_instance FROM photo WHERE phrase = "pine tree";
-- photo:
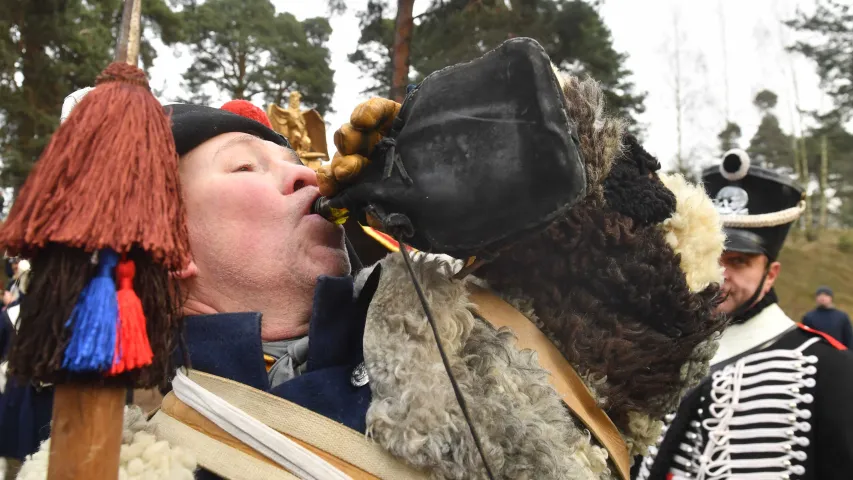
(50, 49)
(244, 50)
(770, 147)
(729, 137)
(834, 166)
(452, 31)
(827, 38)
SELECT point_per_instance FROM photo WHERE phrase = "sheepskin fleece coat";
(526, 430)
(143, 456)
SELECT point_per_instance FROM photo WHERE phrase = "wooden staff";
(127, 45)
(85, 436)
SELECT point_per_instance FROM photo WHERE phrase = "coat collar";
(229, 344)
(770, 322)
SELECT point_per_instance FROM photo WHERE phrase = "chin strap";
(354, 261)
(745, 306)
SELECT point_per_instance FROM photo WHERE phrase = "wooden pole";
(86, 428)
(85, 436)
(127, 45)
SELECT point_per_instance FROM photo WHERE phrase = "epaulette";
(829, 338)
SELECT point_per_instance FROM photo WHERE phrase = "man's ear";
(190, 271)
(772, 272)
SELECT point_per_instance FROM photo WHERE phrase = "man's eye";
(247, 167)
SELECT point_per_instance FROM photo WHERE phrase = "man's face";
(250, 230)
(824, 300)
(742, 276)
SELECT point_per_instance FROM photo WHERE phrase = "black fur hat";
(193, 125)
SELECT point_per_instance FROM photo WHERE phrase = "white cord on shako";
(272, 444)
(763, 220)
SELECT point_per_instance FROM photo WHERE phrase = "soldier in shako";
(777, 402)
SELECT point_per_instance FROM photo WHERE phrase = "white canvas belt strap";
(285, 419)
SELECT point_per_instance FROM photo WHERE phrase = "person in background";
(25, 409)
(20, 269)
(828, 319)
(11, 274)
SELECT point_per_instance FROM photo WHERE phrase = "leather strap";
(563, 377)
(182, 412)
(213, 448)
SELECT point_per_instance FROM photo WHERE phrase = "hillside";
(807, 265)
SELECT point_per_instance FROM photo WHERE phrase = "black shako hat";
(193, 125)
(480, 154)
(757, 205)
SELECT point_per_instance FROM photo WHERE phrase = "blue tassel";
(93, 321)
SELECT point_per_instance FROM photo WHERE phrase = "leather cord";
(456, 390)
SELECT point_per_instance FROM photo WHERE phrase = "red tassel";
(132, 348)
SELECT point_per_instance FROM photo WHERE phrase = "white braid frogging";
(693, 435)
(757, 410)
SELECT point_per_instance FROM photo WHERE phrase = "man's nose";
(298, 176)
(725, 274)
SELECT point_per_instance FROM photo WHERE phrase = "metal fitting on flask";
(322, 206)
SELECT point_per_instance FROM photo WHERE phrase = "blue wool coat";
(831, 321)
(229, 345)
(25, 410)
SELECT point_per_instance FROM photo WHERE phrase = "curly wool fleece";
(142, 456)
(523, 424)
(694, 231)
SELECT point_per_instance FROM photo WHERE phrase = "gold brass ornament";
(305, 130)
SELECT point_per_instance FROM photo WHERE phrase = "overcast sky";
(645, 31)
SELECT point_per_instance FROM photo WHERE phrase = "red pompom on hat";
(244, 108)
